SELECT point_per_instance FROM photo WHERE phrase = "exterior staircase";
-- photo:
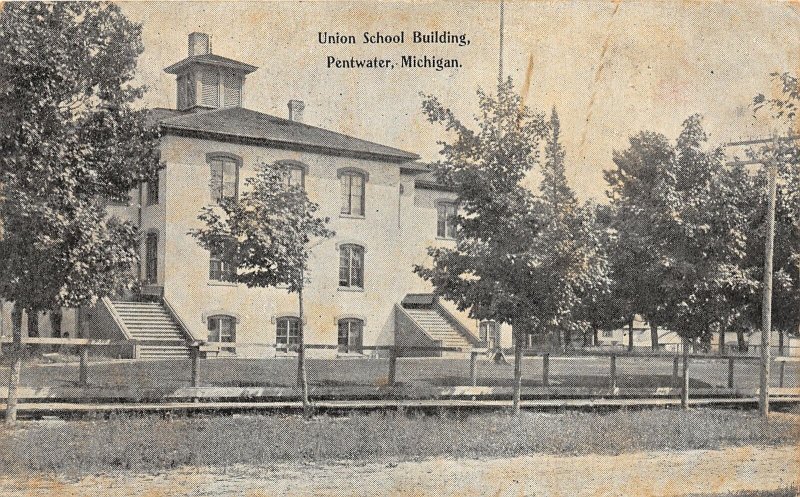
(152, 327)
(423, 322)
(438, 327)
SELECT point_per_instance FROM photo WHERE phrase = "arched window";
(287, 331)
(351, 266)
(445, 219)
(353, 185)
(224, 176)
(351, 335)
(297, 172)
(221, 328)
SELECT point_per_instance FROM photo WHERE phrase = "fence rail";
(388, 373)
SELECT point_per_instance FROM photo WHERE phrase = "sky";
(611, 69)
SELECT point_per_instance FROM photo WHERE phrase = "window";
(608, 333)
(352, 192)
(296, 176)
(287, 331)
(351, 266)
(152, 191)
(222, 265)
(151, 258)
(224, 177)
(221, 329)
(296, 173)
(232, 89)
(209, 82)
(445, 219)
(489, 332)
(350, 335)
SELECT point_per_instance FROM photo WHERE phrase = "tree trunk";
(302, 373)
(654, 336)
(33, 329)
(567, 338)
(588, 335)
(741, 343)
(685, 382)
(16, 366)
(630, 335)
(595, 336)
(518, 343)
(55, 321)
(780, 342)
(721, 340)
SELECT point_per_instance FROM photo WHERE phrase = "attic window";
(232, 87)
(210, 89)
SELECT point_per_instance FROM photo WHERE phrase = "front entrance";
(351, 335)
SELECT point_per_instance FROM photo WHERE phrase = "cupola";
(208, 81)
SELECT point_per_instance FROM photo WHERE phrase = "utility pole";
(766, 306)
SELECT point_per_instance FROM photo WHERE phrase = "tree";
(270, 230)
(640, 193)
(707, 241)
(69, 137)
(573, 266)
(783, 113)
(513, 262)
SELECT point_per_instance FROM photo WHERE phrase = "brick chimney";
(296, 110)
(199, 44)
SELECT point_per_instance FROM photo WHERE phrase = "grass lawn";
(151, 444)
(411, 372)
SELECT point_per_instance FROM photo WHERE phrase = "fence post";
(546, 370)
(83, 366)
(675, 372)
(780, 375)
(685, 389)
(473, 368)
(730, 372)
(392, 365)
(613, 374)
(195, 353)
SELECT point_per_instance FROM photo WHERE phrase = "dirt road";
(639, 474)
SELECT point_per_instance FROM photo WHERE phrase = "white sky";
(611, 69)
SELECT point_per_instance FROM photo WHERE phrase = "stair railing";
(112, 311)
(417, 327)
(456, 324)
(181, 324)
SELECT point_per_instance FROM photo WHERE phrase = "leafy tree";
(272, 228)
(515, 260)
(641, 205)
(783, 113)
(69, 136)
(707, 241)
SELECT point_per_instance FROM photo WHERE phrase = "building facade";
(384, 206)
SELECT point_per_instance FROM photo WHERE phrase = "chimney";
(296, 110)
(199, 44)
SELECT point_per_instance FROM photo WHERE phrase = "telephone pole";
(766, 306)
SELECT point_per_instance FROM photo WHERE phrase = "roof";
(210, 59)
(251, 127)
(429, 181)
(418, 299)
